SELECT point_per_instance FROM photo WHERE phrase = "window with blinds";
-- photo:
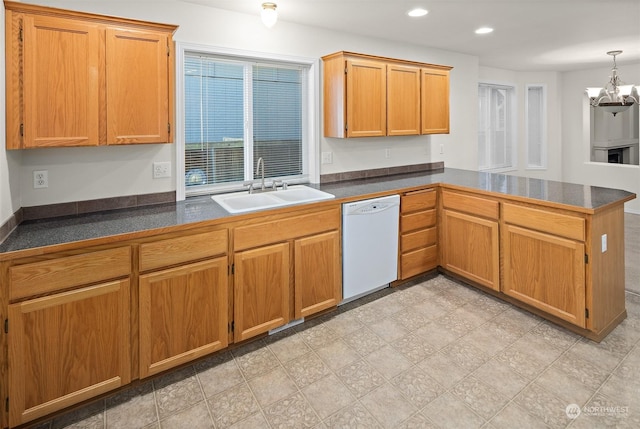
(496, 126)
(236, 112)
(536, 126)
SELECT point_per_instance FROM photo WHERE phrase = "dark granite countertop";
(51, 232)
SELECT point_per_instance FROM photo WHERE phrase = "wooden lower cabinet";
(546, 272)
(471, 247)
(66, 348)
(418, 233)
(318, 284)
(261, 290)
(183, 314)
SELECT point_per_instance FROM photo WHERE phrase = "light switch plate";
(604, 243)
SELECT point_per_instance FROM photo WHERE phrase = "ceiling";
(530, 35)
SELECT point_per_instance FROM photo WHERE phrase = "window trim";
(311, 128)
(514, 116)
(543, 145)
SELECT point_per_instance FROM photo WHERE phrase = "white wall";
(89, 173)
(576, 164)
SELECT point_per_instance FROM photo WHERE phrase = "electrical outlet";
(327, 157)
(387, 153)
(161, 169)
(441, 149)
(40, 179)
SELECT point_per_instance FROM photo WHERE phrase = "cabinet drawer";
(418, 220)
(418, 261)
(417, 239)
(418, 200)
(287, 228)
(62, 273)
(545, 221)
(182, 249)
(470, 204)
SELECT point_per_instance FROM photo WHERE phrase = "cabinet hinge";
(231, 326)
(168, 50)
(169, 127)
(586, 313)
(586, 258)
(21, 130)
(233, 268)
(6, 326)
(345, 70)
(20, 34)
(6, 405)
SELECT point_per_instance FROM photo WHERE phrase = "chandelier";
(615, 97)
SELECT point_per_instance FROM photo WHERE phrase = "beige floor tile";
(514, 416)
(418, 387)
(603, 412)
(256, 362)
(417, 421)
(337, 354)
(196, 417)
(437, 335)
(217, 378)
(523, 363)
(480, 397)
(364, 341)
(177, 391)
(288, 347)
(132, 408)
(500, 377)
(430, 309)
(254, 421)
(293, 412)
(306, 369)
(555, 336)
(538, 348)
(328, 395)
(544, 405)
(232, 405)
(343, 323)
(564, 386)
(443, 370)
(465, 355)
(388, 361)
(360, 378)
(623, 390)
(318, 336)
(387, 405)
(581, 369)
(411, 319)
(389, 329)
(414, 347)
(352, 416)
(449, 412)
(272, 386)
(488, 339)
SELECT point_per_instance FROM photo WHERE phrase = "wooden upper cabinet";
(435, 101)
(79, 79)
(369, 96)
(366, 99)
(61, 68)
(137, 90)
(403, 100)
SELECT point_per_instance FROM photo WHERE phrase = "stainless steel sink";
(239, 202)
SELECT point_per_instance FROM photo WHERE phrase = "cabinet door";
(545, 271)
(366, 98)
(137, 64)
(318, 275)
(261, 290)
(403, 100)
(435, 101)
(61, 82)
(183, 314)
(66, 348)
(470, 248)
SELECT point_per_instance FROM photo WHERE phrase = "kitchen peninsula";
(135, 279)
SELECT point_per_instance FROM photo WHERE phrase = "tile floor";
(437, 354)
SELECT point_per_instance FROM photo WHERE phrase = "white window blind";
(496, 127)
(236, 112)
(536, 126)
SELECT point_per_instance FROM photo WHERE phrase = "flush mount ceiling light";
(417, 12)
(269, 14)
(615, 97)
(484, 30)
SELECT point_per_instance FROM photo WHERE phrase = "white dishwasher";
(369, 245)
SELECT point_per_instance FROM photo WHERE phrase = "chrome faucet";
(258, 164)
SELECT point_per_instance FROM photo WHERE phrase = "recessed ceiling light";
(417, 12)
(484, 30)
